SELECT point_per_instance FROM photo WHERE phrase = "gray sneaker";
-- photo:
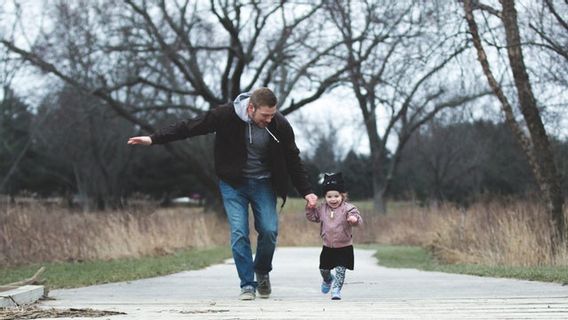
(247, 293)
(263, 288)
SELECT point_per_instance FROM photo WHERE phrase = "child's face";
(333, 198)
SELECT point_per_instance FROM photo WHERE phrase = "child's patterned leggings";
(339, 276)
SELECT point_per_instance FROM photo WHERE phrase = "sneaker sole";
(247, 298)
(264, 296)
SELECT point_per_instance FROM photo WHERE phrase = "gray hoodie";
(257, 140)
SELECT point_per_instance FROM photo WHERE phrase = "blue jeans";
(260, 195)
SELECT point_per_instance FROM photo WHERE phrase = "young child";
(336, 217)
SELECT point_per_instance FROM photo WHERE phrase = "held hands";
(352, 220)
(143, 140)
(312, 200)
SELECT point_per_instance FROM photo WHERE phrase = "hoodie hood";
(240, 104)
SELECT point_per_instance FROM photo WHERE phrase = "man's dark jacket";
(231, 151)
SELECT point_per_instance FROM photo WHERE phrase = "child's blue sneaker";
(335, 294)
(325, 286)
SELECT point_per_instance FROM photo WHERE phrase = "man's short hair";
(263, 97)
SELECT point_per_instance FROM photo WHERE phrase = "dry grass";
(515, 234)
(36, 233)
(34, 312)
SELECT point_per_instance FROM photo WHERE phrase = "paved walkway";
(370, 292)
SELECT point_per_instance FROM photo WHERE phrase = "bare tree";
(544, 30)
(86, 138)
(149, 59)
(448, 158)
(550, 25)
(533, 137)
(393, 67)
(10, 66)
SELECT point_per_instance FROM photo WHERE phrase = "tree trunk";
(537, 146)
(379, 201)
(379, 181)
(550, 181)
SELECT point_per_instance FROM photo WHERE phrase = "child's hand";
(312, 201)
(352, 219)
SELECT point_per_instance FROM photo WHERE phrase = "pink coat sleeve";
(313, 214)
(355, 213)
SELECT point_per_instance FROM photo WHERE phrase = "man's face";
(262, 115)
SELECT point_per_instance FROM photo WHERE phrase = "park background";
(447, 120)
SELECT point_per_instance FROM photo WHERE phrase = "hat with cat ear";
(333, 181)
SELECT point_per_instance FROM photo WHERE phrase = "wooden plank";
(21, 296)
(6, 288)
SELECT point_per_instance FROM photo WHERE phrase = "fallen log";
(33, 280)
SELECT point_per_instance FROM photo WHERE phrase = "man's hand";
(143, 140)
(312, 200)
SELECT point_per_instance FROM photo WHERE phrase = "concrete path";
(370, 292)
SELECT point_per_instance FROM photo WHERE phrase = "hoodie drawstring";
(250, 133)
(270, 133)
(273, 137)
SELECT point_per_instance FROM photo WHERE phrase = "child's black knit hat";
(333, 181)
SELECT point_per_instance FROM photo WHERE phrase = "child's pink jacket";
(335, 230)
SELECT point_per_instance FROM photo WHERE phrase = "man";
(255, 154)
